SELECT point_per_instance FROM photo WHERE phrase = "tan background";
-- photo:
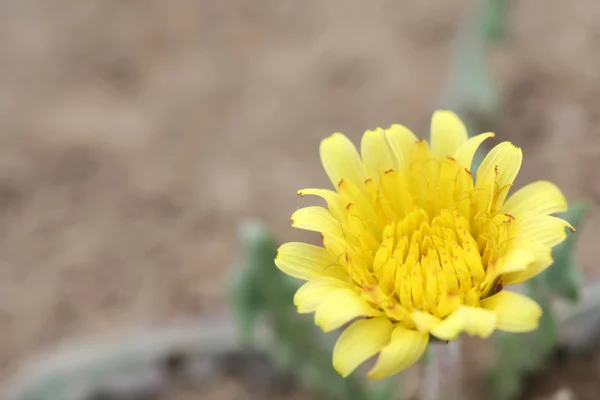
(134, 134)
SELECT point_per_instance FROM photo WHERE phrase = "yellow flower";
(413, 245)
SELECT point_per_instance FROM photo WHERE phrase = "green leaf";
(494, 20)
(258, 289)
(564, 277)
(472, 90)
(519, 355)
(503, 380)
(522, 354)
(245, 301)
(384, 390)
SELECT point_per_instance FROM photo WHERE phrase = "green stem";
(443, 375)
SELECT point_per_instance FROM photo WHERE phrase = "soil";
(135, 134)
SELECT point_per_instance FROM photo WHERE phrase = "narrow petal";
(516, 261)
(304, 261)
(359, 342)
(336, 206)
(514, 312)
(377, 154)
(465, 153)
(316, 219)
(341, 160)
(543, 259)
(448, 133)
(340, 307)
(405, 348)
(402, 141)
(424, 169)
(312, 293)
(539, 230)
(424, 321)
(541, 197)
(475, 321)
(503, 162)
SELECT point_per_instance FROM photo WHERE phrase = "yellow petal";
(543, 259)
(483, 195)
(502, 162)
(475, 321)
(377, 154)
(514, 312)
(312, 293)
(424, 169)
(341, 160)
(395, 188)
(465, 153)
(405, 348)
(424, 321)
(359, 342)
(334, 201)
(541, 197)
(340, 307)
(402, 141)
(316, 219)
(539, 230)
(304, 261)
(517, 260)
(448, 133)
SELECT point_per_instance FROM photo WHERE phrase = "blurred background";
(134, 136)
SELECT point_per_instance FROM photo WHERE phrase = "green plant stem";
(443, 373)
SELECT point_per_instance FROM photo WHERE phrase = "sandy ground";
(135, 134)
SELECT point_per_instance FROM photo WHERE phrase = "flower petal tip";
(376, 376)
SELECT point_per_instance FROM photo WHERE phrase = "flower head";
(414, 246)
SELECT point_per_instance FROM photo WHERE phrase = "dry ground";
(134, 134)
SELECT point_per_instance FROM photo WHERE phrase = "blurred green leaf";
(245, 303)
(522, 354)
(519, 355)
(471, 90)
(563, 277)
(503, 379)
(385, 390)
(298, 347)
(494, 20)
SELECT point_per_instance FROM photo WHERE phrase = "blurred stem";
(471, 90)
(443, 375)
(495, 20)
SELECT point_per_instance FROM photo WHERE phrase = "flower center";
(433, 266)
